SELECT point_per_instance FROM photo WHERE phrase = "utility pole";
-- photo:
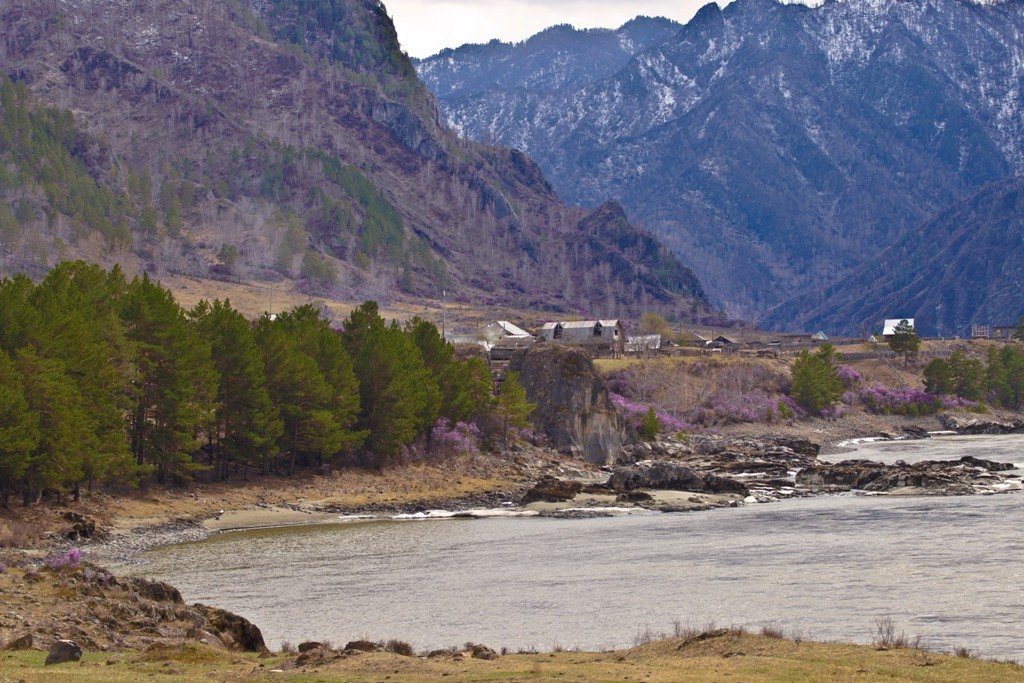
(444, 313)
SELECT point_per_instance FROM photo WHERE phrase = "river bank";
(702, 471)
(713, 655)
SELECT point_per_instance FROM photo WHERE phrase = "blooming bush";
(635, 412)
(834, 412)
(71, 558)
(460, 438)
(848, 376)
(904, 401)
(753, 406)
(957, 403)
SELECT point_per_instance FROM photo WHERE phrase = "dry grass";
(721, 655)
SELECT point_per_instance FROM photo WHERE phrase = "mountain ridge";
(292, 138)
(775, 147)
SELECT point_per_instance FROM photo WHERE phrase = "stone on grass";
(64, 651)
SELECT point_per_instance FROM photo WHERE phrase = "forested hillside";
(776, 147)
(108, 381)
(261, 141)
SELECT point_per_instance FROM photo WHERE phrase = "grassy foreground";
(719, 656)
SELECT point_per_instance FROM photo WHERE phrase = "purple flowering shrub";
(903, 401)
(450, 440)
(753, 406)
(71, 558)
(849, 376)
(634, 413)
(957, 403)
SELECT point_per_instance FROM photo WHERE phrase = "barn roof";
(511, 329)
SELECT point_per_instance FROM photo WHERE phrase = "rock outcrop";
(941, 477)
(573, 407)
(551, 490)
(671, 476)
(976, 425)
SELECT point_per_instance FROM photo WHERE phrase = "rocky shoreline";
(696, 473)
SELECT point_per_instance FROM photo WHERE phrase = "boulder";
(362, 646)
(154, 590)
(63, 651)
(573, 407)
(551, 490)
(671, 476)
(938, 476)
(310, 645)
(483, 652)
(234, 631)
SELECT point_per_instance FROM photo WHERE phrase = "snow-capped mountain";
(774, 147)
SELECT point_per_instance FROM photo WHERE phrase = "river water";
(947, 569)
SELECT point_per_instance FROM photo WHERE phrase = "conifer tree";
(174, 381)
(816, 383)
(65, 437)
(466, 385)
(399, 396)
(512, 407)
(19, 429)
(247, 425)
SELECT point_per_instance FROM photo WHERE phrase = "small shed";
(647, 343)
(819, 337)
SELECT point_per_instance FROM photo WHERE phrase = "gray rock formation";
(573, 408)
(671, 476)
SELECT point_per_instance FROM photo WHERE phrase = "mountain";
(965, 266)
(775, 147)
(269, 139)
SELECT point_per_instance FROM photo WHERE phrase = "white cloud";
(427, 26)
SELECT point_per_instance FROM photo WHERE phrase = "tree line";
(999, 380)
(109, 381)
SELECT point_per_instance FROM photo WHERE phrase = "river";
(946, 569)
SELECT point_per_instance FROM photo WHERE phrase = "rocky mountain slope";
(964, 266)
(269, 139)
(774, 147)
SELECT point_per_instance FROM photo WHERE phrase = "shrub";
(71, 558)
(753, 406)
(848, 376)
(650, 425)
(460, 438)
(399, 647)
(904, 401)
(635, 412)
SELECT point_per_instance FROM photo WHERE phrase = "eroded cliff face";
(573, 408)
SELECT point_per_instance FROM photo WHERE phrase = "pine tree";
(19, 429)
(512, 407)
(247, 426)
(65, 439)
(174, 382)
(399, 396)
(465, 385)
(904, 340)
(78, 324)
(816, 384)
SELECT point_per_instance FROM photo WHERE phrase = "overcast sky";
(427, 26)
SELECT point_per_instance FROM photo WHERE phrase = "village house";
(600, 336)
(993, 331)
